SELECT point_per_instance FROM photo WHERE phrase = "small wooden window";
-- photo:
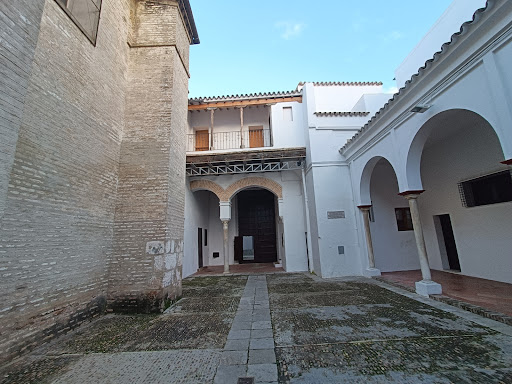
(256, 136)
(202, 140)
(403, 219)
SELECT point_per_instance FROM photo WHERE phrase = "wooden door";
(256, 217)
(202, 140)
(256, 137)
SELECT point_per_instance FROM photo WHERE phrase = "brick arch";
(261, 182)
(198, 185)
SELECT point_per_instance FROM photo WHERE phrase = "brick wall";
(19, 31)
(92, 165)
(57, 226)
(148, 232)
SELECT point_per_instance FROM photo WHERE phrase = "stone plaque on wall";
(335, 214)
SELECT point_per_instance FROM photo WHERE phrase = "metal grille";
(224, 169)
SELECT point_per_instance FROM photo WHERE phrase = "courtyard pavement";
(286, 328)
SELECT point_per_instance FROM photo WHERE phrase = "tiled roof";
(465, 27)
(341, 83)
(344, 114)
(248, 96)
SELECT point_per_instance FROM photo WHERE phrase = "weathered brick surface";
(91, 166)
(149, 219)
(19, 30)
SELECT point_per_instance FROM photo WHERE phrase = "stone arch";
(248, 182)
(366, 177)
(208, 185)
(444, 118)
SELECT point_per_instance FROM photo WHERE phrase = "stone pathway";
(279, 328)
(249, 350)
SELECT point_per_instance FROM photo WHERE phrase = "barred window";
(403, 219)
(85, 14)
(485, 190)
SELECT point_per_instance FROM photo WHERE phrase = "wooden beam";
(244, 103)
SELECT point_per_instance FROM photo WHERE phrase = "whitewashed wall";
(196, 216)
(394, 250)
(482, 234)
(288, 134)
(294, 255)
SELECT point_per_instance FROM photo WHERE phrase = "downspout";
(308, 225)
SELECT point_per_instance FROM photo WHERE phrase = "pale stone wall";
(148, 231)
(92, 150)
(19, 30)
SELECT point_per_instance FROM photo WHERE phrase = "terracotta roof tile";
(341, 83)
(247, 96)
(343, 114)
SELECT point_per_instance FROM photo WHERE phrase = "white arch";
(415, 151)
(366, 176)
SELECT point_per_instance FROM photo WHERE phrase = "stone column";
(371, 270)
(426, 286)
(226, 256)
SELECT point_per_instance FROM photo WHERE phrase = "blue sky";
(271, 45)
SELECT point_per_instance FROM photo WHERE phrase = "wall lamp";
(420, 108)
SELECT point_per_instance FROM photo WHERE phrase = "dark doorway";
(256, 219)
(200, 246)
(449, 242)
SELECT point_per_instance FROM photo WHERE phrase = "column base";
(372, 272)
(428, 287)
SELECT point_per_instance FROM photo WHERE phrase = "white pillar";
(426, 286)
(212, 119)
(371, 270)
(242, 127)
(225, 216)
(226, 256)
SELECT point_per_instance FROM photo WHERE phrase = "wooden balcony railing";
(253, 138)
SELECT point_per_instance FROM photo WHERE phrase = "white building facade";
(424, 183)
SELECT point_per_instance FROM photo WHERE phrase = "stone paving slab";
(444, 359)
(188, 367)
(352, 330)
(210, 304)
(385, 337)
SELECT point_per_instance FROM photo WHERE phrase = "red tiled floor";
(488, 294)
(240, 268)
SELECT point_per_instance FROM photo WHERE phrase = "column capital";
(507, 162)
(413, 194)
(212, 108)
(364, 207)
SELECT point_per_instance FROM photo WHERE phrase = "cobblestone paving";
(317, 331)
(359, 332)
(190, 336)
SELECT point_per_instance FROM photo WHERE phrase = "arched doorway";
(256, 240)
(390, 222)
(467, 203)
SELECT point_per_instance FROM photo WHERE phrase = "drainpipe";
(308, 226)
